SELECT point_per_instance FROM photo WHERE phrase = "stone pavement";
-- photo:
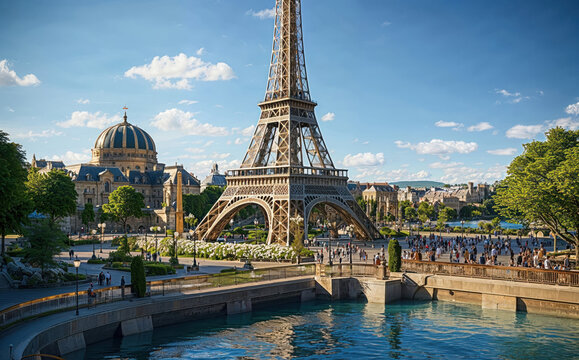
(9, 297)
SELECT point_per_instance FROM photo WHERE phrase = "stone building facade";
(384, 195)
(125, 154)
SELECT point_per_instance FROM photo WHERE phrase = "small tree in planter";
(138, 280)
(394, 256)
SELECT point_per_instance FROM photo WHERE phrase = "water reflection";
(345, 330)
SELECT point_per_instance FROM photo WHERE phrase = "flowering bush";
(221, 251)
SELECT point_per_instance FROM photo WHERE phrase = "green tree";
(87, 215)
(410, 213)
(138, 279)
(394, 256)
(43, 242)
(15, 204)
(496, 223)
(542, 185)
(476, 213)
(124, 203)
(52, 193)
(488, 207)
(425, 211)
(402, 207)
(444, 215)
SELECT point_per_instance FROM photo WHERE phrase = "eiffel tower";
(287, 170)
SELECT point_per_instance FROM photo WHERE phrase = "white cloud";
(188, 102)
(200, 52)
(482, 126)
(566, 123)
(174, 72)
(515, 97)
(202, 168)
(572, 109)
(10, 109)
(506, 151)
(83, 101)
(506, 93)
(185, 123)
(34, 135)
(239, 141)
(262, 14)
(439, 147)
(248, 131)
(364, 159)
(386, 23)
(464, 174)
(91, 120)
(524, 131)
(329, 116)
(10, 78)
(70, 157)
(446, 124)
(441, 165)
(390, 176)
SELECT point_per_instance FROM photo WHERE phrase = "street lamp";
(176, 235)
(102, 226)
(255, 223)
(192, 234)
(462, 227)
(93, 232)
(155, 229)
(76, 266)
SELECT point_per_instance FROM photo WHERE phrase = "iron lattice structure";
(287, 169)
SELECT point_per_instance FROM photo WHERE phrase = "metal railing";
(520, 274)
(67, 301)
(349, 270)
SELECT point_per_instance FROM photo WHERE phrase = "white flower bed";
(220, 251)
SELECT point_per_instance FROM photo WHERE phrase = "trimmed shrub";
(394, 255)
(158, 269)
(138, 279)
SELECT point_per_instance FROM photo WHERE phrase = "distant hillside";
(417, 184)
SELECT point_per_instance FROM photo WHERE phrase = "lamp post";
(350, 230)
(192, 234)
(231, 222)
(155, 229)
(176, 236)
(462, 228)
(102, 226)
(76, 266)
(255, 223)
(93, 232)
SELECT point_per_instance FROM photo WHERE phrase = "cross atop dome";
(125, 117)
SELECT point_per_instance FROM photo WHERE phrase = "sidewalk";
(10, 297)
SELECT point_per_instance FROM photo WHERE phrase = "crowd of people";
(480, 249)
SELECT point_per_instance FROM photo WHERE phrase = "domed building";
(125, 154)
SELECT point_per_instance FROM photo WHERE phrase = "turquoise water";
(350, 330)
(474, 224)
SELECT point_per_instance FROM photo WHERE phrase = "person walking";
(123, 287)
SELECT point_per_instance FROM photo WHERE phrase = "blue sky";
(409, 90)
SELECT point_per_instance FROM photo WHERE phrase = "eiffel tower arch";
(287, 169)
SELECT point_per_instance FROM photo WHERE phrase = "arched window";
(107, 187)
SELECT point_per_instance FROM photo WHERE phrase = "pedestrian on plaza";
(108, 278)
(122, 287)
(566, 265)
(101, 278)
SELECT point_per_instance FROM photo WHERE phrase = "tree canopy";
(44, 241)
(542, 185)
(125, 202)
(52, 193)
(199, 205)
(87, 215)
(15, 203)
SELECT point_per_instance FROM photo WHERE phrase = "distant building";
(125, 154)
(214, 179)
(384, 195)
(457, 198)
(410, 194)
